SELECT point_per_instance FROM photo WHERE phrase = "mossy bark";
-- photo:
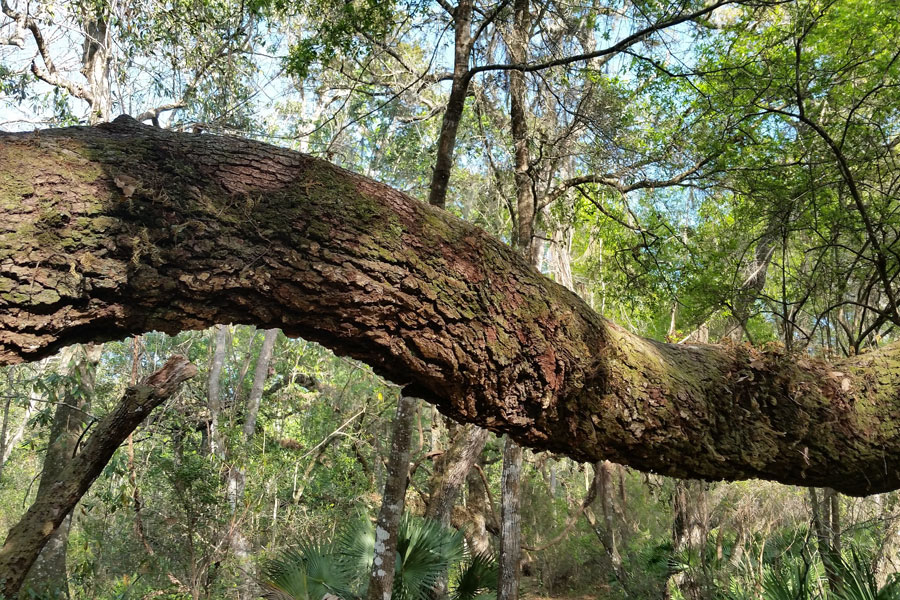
(122, 228)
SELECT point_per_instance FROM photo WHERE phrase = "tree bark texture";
(526, 214)
(50, 509)
(120, 229)
(387, 526)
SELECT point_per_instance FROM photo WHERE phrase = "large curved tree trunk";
(122, 228)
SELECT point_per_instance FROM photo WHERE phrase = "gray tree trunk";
(95, 61)
(443, 164)
(510, 522)
(450, 470)
(510, 525)
(214, 392)
(387, 527)
(240, 545)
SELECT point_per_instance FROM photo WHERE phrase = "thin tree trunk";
(823, 523)
(451, 469)
(3, 431)
(95, 61)
(27, 537)
(387, 527)
(510, 523)
(755, 279)
(603, 473)
(137, 501)
(443, 164)
(479, 512)
(690, 532)
(13, 440)
(526, 216)
(214, 392)
(260, 375)
(240, 545)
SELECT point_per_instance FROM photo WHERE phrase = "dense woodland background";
(697, 172)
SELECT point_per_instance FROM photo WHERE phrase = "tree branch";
(632, 39)
(223, 230)
(27, 537)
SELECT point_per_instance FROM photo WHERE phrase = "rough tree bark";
(456, 103)
(121, 229)
(526, 213)
(34, 529)
(526, 218)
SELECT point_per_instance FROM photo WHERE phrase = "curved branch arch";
(124, 228)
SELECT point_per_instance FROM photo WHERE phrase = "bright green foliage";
(308, 572)
(348, 29)
(425, 552)
(787, 584)
(476, 578)
(859, 581)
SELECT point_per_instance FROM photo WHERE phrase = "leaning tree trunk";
(121, 229)
(450, 470)
(48, 577)
(27, 537)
